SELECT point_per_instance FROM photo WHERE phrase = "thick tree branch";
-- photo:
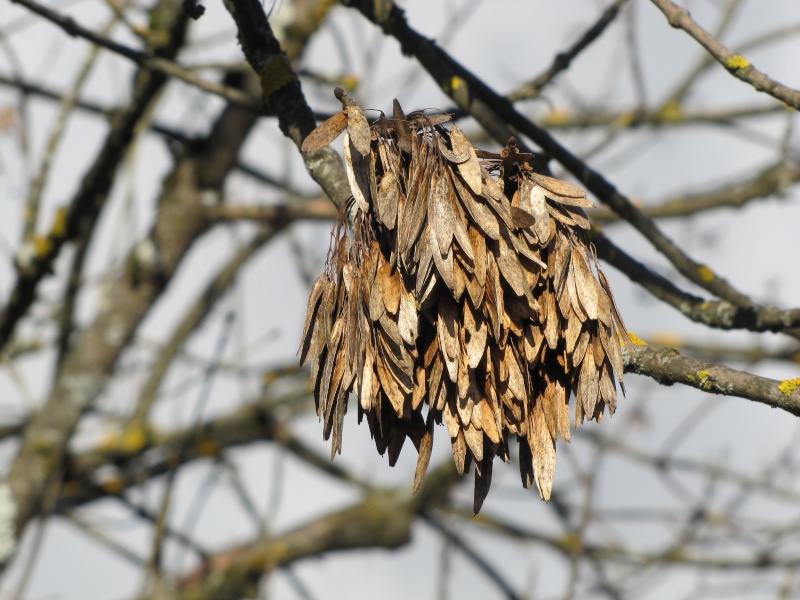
(313, 210)
(716, 314)
(383, 519)
(667, 366)
(140, 452)
(282, 94)
(91, 359)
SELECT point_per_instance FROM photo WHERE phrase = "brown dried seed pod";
(462, 293)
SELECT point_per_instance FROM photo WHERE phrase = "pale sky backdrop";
(505, 42)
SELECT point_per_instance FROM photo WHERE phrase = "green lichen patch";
(275, 74)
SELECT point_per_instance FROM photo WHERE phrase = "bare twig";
(193, 317)
(736, 64)
(87, 203)
(773, 180)
(473, 555)
(564, 59)
(152, 62)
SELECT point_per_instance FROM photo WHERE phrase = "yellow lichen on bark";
(788, 386)
(637, 341)
(706, 274)
(737, 62)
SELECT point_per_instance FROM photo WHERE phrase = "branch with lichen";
(495, 113)
(126, 459)
(667, 366)
(282, 94)
(716, 314)
(93, 354)
(735, 64)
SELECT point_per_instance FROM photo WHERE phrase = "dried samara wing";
(460, 289)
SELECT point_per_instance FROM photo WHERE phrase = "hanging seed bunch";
(459, 289)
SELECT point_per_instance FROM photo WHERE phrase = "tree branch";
(735, 64)
(383, 519)
(773, 180)
(667, 366)
(152, 62)
(281, 92)
(719, 315)
(490, 109)
(564, 59)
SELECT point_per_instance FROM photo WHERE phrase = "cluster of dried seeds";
(458, 289)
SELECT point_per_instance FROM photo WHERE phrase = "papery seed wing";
(470, 169)
(564, 192)
(404, 132)
(539, 210)
(476, 327)
(543, 448)
(474, 439)
(358, 128)
(407, 318)
(617, 317)
(481, 214)
(421, 120)
(461, 455)
(489, 423)
(479, 249)
(376, 305)
(440, 214)
(388, 196)
(420, 386)
(447, 331)
(511, 269)
(425, 447)
(391, 285)
(356, 175)
(522, 218)
(585, 284)
(459, 221)
(449, 154)
(312, 313)
(325, 133)
(588, 384)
